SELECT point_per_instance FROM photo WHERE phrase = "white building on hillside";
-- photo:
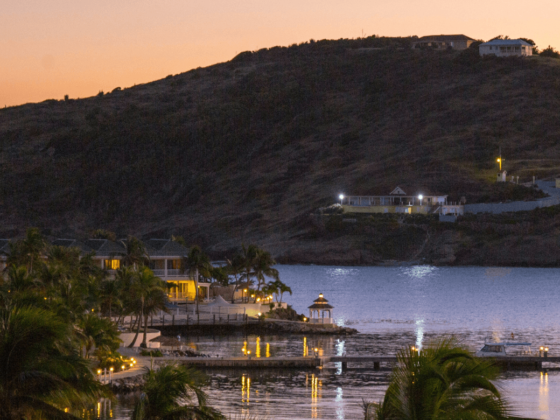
(506, 48)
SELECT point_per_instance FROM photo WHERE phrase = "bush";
(152, 353)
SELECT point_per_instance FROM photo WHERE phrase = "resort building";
(506, 48)
(443, 42)
(396, 202)
(165, 258)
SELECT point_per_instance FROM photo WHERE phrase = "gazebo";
(320, 306)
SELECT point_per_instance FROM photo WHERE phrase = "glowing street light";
(499, 160)
(341, 196)
(420, 197)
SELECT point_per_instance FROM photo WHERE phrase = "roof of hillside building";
(72, 243)
(444, 38)
(165, 248)
(105, 247)
(507, 42)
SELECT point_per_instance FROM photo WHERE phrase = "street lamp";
(341, 196)
(499, 160)
(420, 197)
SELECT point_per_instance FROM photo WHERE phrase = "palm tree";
(235, 267)
(27, 250)
(98, 332)
(197, 262)
(169, 393)
(136, 254)
(155, 301)
(145, 282)
(110, 295)
(442, 381)
(247, 261)
(262, 266)
(41, 371)
(279, 288)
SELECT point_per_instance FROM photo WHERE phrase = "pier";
(507, 361)
(246, 362)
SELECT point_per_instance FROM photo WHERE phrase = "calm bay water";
(392, 307)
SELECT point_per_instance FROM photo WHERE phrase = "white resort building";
(397, 201)
(506, 48)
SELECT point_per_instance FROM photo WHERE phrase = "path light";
(304, 319)
(499, 160)
(259, 314)
(420, 197)
(123, 367)
(341, 196)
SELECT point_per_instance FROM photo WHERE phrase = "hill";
(246, 150)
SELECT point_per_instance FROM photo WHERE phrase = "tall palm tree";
(235, 268)
(28, 250)
(173, 393)
(443, 381)
(145, 282)
(98, 332)
(110, 295)
(197, 262)
(136, 255)
(262, 267)
(155, 301)
(41, 372)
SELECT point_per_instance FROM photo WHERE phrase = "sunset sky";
(49, 48)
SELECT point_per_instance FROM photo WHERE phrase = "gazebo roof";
(321, 306)
(321, 303)
(321, 299)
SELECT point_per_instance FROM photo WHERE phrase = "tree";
(155, 301)
(173, 393)
(550, 52)
(41, 372)
(144, 283)
(248, 257)
(262, 267)
(235, 268)
(220, 274)
(98, 332)
(280, 288)
(443, 381)
(197, 262)
(136, 254)
(28, 250)
(110, 295)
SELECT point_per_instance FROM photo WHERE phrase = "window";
(112, 264)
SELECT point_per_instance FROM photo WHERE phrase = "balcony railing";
(171, 272)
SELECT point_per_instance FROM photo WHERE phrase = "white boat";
(507, 348)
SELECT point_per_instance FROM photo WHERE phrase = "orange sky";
(49, 48)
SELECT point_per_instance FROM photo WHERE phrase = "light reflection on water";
(393, 307)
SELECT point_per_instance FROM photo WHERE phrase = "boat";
(506, 348)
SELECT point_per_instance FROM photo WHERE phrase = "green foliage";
(173, 393)
(104, 234)
(442, 381)
(151, 353)
(41, 371)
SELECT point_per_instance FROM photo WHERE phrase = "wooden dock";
(507, 361)
(314, 362)
(245, 362)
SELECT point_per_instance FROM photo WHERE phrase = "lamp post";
(341, 196)
(420, 197)
(499, 160)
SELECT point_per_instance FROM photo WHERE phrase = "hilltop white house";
(506, 48)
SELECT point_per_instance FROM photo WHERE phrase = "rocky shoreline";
(276, 327)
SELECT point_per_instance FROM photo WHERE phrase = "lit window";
(112, 264)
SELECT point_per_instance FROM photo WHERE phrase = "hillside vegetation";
(246, 150)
